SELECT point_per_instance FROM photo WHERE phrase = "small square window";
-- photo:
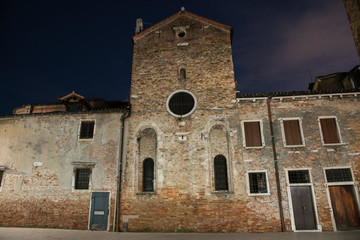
(338, 175)
(253, 134)
(299, 176)
(1, 176)
(257, 183)
(82, 178)
(87, 129)
(292, 133)
(329, 130)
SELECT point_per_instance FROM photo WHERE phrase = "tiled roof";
(293, 93)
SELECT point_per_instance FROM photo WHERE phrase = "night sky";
(49, 48)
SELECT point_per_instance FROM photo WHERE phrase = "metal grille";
(1, 176)
(338, 175)
(257, 182)
(181, 103)
(87, 129)
(82, 178)
(221, 181)
(148, 176)
(299, 176)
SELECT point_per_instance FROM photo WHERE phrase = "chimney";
(139, 25)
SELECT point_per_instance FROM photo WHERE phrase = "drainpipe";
(276, 165)
(118, 194)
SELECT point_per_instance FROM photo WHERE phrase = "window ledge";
(258, 194)
(333, 144)
(294, 146)
(259, 147)
(145, 193)
(222, 192)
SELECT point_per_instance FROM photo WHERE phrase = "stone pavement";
(59, 234)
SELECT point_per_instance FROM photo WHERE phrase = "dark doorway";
(303, 208)
(344, 207)
(99, 211)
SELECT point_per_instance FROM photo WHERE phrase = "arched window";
(221, 181)
(148, 175)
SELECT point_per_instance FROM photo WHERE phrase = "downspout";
(276, 165)
(118, 194)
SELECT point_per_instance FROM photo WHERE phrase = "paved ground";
(56, 234)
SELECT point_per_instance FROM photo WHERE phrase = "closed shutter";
(292, 132)
(252, 134)
(329, 130)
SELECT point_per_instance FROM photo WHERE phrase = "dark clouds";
(50, 48)
(312, 37)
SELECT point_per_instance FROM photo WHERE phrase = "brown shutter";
(329, 130)
(292, 132)
(252, 134)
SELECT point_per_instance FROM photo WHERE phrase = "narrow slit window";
(148, 175)
(257, 183)
(329, 131)
(82, 178)
(221, 179)
(252, 132)
(292, 133)
(87, 129)
(1, 176)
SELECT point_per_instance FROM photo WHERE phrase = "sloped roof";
(177, 15)
(71, 95)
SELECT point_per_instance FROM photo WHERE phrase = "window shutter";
(292, 132)
(252, 134)
(221, 181)
(329, 130)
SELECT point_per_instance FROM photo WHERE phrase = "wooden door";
(303, 208)
(344, 207)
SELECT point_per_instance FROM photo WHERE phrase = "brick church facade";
(191, 154)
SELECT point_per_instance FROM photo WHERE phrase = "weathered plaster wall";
(38, 152)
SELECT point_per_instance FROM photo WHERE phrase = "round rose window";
(181, 103)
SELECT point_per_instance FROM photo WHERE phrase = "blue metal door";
(99, 211)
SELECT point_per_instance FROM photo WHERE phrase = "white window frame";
(337, 129)
(311, 185)
(248, 183)
(300, 128)
(78, 165)
(339, 183)
(261, 133)
(79, 129)
(187, 114)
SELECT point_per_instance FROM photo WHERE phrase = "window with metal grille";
(82, 178)
(329, 130)
(338, 175)
(181, 103)
(87, 129)
(252, 132)
(257, 182)
(148, 175)
(1, 176)
(292, 132)
(299, 176)
(221, 181)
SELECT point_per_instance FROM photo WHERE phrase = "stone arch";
(219, 148)
(147, 149)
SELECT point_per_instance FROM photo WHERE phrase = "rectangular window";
(329, 130)
(1, 176)
(253, 134)
(82, 178)
(257, 183)
(338, 175)
(292, 132)
(87, 129)
(299, 176)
